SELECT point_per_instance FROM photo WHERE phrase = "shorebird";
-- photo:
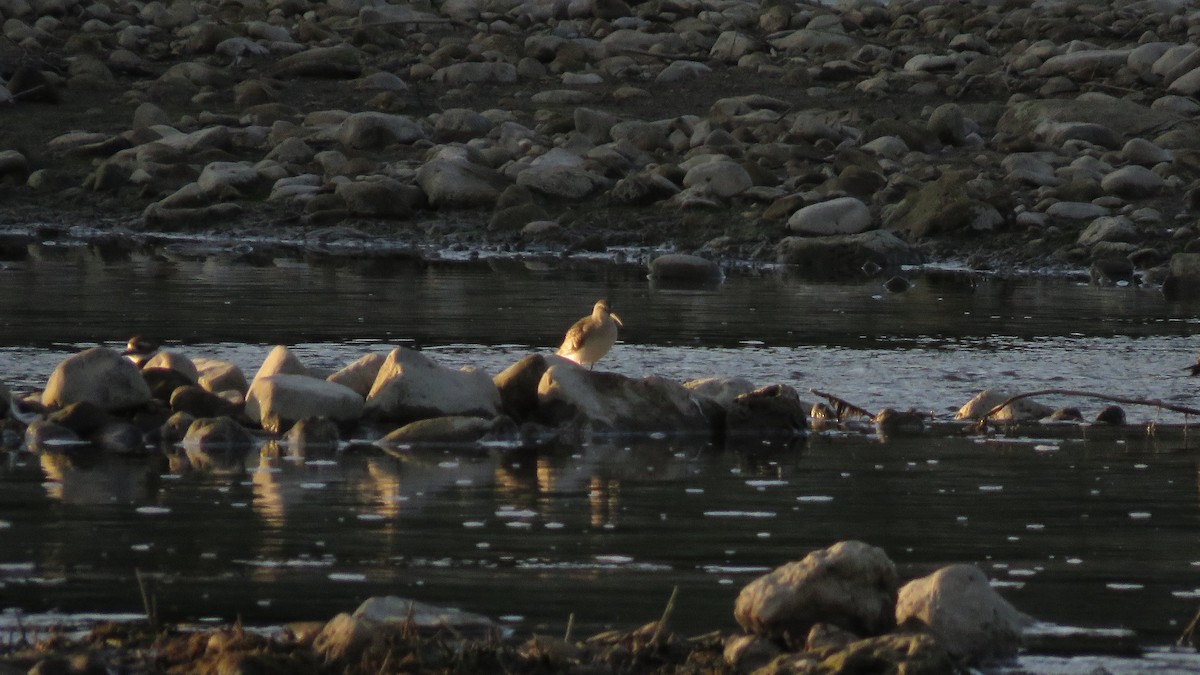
(592, 336)
(140, 349)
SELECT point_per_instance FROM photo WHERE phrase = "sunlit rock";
(411, 387)
(723, 390)
(174, 361)
(361, 374)
(958, 606)
(279, 401)
(452, 430)
(607, 402)
(280, 361)
(217, 375)
(98, 375)
(851, 585)
(1022, 410)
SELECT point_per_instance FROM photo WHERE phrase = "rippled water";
(1083, 526)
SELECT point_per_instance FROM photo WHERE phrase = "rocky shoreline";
(824, 137)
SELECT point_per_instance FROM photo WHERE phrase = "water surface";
(1082, 526)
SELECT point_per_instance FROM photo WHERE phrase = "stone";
(84, 418)
(518, 384)
(340, 62)
(13, 163)
(199, 402)
(582, 400)
(1123, 117)
(360, 375)
(840, 256)
(774, 411)
(216, 375)
(98, 375)
(939, 207)
(722, 390)
(217, 443)
(279, 401)
(721, 177)
(312, 435)
(451, 180)
(1144, 153)
(843, 215)
(459, 74)
(45, 436)
(175, 361)
(376, 130)
(219, 176)
(1076, 210)
(1108, 228)
(451, 430)
(961, 610)
(1132, 182)
(280, 361)
(390, 610)
(1182, 281)
(850, 585)
(681, 267)
(1085, 64)
(378, 197)
(949, 124)
(1022, 410)
(410, 386)
(564, 182)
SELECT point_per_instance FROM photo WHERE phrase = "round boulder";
(98, 375)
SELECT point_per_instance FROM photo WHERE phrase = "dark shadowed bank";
(824, 137)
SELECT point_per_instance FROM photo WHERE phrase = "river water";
(1083, 526)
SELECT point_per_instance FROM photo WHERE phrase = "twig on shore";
(1105, 397)
(666, 616)
(570, 625)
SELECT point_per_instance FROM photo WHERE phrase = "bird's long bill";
(617, 319)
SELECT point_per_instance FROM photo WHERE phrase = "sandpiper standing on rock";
(592, 336)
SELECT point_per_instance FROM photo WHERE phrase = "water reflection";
(90, 477)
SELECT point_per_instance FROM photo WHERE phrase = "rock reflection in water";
(93, 478)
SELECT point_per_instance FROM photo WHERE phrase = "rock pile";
(398, 400)
(820, 136)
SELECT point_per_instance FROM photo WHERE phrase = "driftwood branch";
(843, 408)
(1155, 403)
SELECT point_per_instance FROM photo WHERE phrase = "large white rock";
(279, 401)
(850, 585)
(961, 609)
(410, 387)
(98, 375)
(843, 215)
